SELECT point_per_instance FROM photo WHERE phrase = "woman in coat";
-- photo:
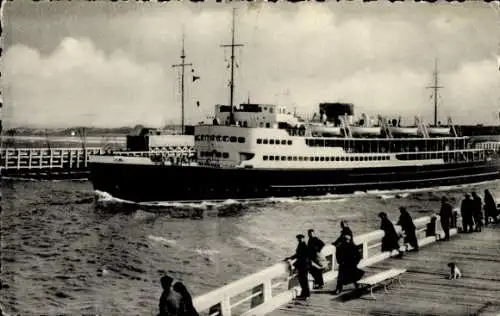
(348, 257)
(406, 223)
(390, 241)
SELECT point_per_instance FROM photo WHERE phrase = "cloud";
(117, 70)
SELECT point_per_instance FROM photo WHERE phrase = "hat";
(382, 214)
(300, 236)
(402, 208)
(310, 231)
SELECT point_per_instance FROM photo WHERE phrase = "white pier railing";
(264, 291)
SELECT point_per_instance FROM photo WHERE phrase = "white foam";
(163, 240)
(246, 243)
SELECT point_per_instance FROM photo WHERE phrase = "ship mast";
(231, 83)
(435, 87)
(183, 66)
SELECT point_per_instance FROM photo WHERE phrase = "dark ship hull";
(140, 183)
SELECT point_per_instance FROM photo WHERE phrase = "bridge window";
(277, 141)
(264, 141)
(218, 138)
(283, 158)
(259, 141)
(277, 157)
(241, 140)
(197, 137)
(271, 157)
(265, 157)
(218, 154)
(212, 137)
(268, 125)
(283, 142)
(225, 138)
(289, 158)
(271, 141)
(233, 139)
(289, 142)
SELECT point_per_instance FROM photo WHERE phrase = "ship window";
(311, 158)
(337, 158)
(271, 157)
(289, 142)
(294, 158)
(277, 141)
(289, 158)
(283, 158)
(259, 141)
(261, 124)
(271, 141)
(241, 140)
(268, 125)
(218, 138)
(301, 158)
(270, 110)
(265, 157)
(316, 158)
(197, 137)
(218, 154)
(225, 138)
(202, 154)
(225, 155)
(322, 158)
(245, 124)
(264, 141)
(283, 142)
(212, 137)
(351, 158)
(233, 139)
(327, 158)
(277, 157)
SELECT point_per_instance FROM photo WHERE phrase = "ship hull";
(141, 183)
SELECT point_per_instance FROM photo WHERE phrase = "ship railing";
(264, 291)
(46, 158)
(452, 126)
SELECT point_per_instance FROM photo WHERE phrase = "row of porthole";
(316, 158)
(273, 141)
(219, 138)
(216, 154)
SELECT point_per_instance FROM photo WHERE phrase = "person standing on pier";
(466, 212)
(477, 211)
(348, 258)
(345, 230)
(302, 265)
(390, 241)
(490, 208)
(445, 214)
(315, 245)
(406, 223)
(169, 299)
(186, 303)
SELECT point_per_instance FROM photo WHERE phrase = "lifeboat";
(406, 130)
(328, 129)
(365, 130)
(438, 130)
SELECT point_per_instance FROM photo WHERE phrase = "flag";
(198, 103)
(195, 78)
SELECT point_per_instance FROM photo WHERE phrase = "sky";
(109, 64)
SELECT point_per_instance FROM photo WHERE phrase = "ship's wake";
(238, 207)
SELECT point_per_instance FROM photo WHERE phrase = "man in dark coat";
(466, 212)
(445, 214)
(348, 258)
(477, 211)
(390, 241)
(407, 225)
(169, 300)
(302, 265)
(314, 246)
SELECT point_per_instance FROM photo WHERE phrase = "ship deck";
(425, 290)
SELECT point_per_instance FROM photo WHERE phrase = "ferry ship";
(255, 151)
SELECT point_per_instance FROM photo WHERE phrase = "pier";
(59, 163)
(425, 288)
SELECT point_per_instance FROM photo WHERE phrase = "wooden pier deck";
(425, 291)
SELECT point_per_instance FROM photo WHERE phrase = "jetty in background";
(425, 288)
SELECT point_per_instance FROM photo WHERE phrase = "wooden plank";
(426, 289)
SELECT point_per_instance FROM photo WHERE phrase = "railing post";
(6, 164)
(365, 250)
(265, 290)
(454, 218)
(70, 158)
(30, 157)
(18, 159)
(50, 159)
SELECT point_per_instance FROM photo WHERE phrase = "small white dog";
(454, 271)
